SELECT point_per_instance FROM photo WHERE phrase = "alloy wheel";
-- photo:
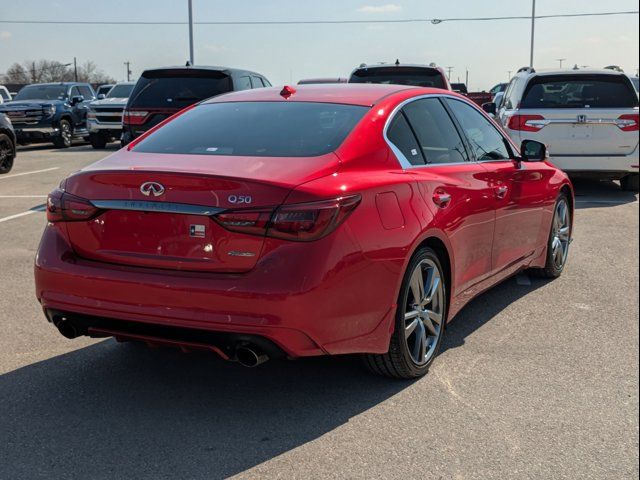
(6, 155)
(561, 234)
(65, 133)
(424, 311)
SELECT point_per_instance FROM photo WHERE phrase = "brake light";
(64, 207)
(254, 222)
(527, 123)
(629, 122)
(301, 222)
(134, 117)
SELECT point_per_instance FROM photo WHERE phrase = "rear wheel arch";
(441, 249)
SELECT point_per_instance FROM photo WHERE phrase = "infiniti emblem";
(152, 188)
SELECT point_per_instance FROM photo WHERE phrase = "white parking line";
(39, 208)
(4, 177)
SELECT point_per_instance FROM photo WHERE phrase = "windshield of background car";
(120, 91)
(418, 77)
(5, 96)
(177, 89)
(636, 83)
(259, 129)
(42, 92)
(579, 91)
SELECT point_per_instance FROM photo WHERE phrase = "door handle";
(501, 191)
(441, 198)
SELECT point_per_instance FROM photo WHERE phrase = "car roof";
(394, 65)
(210, 68)
(63, 84)
(549, 73)
(364, 94)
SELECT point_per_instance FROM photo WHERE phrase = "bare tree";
(43, 71)
(16, 73)
(89, 72)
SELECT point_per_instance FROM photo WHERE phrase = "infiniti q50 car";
(331, 219)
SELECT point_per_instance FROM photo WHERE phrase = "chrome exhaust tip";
(248, 357)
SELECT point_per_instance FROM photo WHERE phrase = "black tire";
(552, 269)
(398, 361)
(98, 141)
(66, 135)
(630, 183)
(7, 154)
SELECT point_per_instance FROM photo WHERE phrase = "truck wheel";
(97, 140)
(630, 183)
(64, 139)
(6, 154)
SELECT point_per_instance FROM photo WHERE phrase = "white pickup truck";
(104, 118)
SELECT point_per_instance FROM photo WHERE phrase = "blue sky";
(285, 53)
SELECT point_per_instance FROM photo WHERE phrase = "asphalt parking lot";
(537, 379)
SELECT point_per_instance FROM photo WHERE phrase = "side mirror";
(101, 96)
(76, 100)
(490, 108)
(533, 151)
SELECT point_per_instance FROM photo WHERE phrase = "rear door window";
(403, 138)
(486, 141)
(416, 76)
(579, 91)
(257, 82)
(177, 89)
(436, 132)
(243, 83)
(258, 129)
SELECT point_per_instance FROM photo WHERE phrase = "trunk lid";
(176, 229)
(585, 131)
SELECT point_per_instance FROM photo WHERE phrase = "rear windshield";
(418, 77)
(120, 91)
(260, 129)
(177, 89)
(580, 91)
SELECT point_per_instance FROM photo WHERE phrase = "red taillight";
(134, 117)
(64, 207)
(629, 122)
(254, 222)
(527, 123)
(301, 222)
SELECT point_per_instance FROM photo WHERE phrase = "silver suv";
(587, 118)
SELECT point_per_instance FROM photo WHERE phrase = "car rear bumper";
(305, 313)
(622, 164)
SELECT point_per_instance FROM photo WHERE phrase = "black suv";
(50, 112)
(162, 92)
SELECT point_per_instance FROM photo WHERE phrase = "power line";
(434, 21)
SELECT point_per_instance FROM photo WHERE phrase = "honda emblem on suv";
(152, 188)
(582, 119)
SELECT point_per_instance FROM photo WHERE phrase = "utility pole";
(509, 75)
(449, 70)
(533, 31)
(75, 69)
(128, 64)
(191, 60)
(561, 60)
(466, 82)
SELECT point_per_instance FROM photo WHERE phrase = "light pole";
(75, 69)
(561, 60)
(128, 64)
(191, 33)
(509, 74)
(533, 31)
(449, 70)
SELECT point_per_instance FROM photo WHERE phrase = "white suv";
(587, 118)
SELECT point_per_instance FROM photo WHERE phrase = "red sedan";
(330, 220)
